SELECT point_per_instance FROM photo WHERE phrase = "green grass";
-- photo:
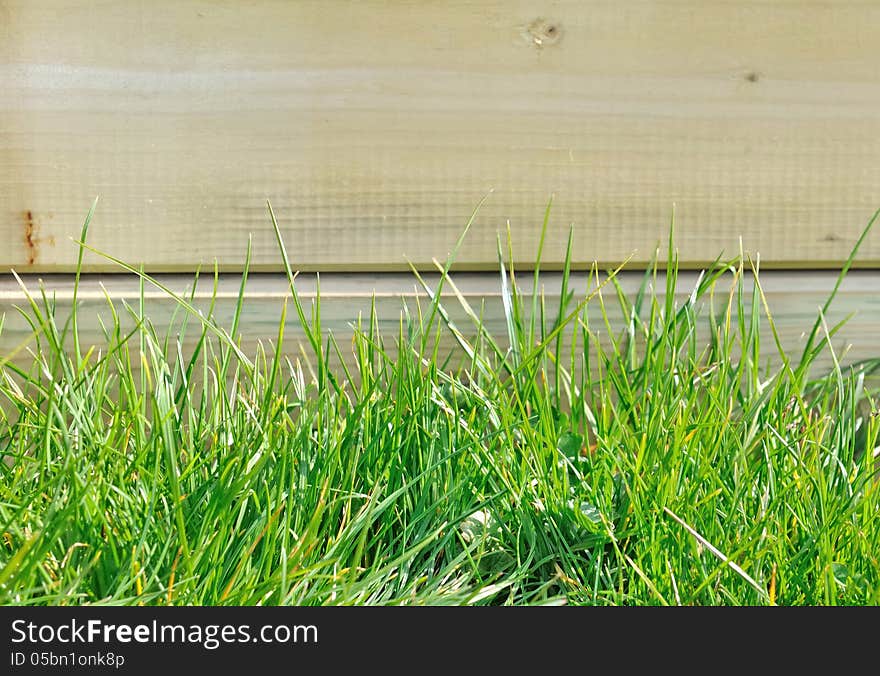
(670, 465)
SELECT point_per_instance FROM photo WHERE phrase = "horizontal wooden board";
(376, 126)
(794, 299)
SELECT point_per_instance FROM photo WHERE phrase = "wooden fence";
(376, 126)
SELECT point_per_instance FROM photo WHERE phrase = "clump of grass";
(659, 466)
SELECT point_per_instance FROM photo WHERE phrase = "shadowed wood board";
(793, 298)
(375, 127)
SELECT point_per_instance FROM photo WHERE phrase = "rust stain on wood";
(30, 240)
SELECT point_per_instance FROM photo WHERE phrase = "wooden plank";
(376, 126)
(794, 299)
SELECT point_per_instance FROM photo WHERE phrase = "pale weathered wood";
(376, 126)
(794, 299)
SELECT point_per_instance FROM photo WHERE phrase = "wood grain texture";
(794, 299)
(376, 126)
